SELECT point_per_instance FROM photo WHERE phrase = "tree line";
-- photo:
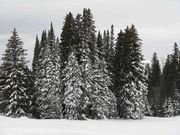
(87, 75)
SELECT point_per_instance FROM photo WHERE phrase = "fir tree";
(166, 88)
(129, 80)
(99, 102)
(107, 46)
(112, 45)
(104, 37)
(89, 31)
(165, 82)
(78, 37)
(100, 45)
(104, 101)
(169, 84)
(67, 38)
(86, 69)
(154, 85)
(35, 73)
(15, 90)
(73, 84)
(175, 72)
(40, 76)
(35, 62)
(48, 82)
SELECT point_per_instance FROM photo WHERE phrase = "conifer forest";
(84, 74)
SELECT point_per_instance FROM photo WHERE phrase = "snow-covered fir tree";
(104, 81)
(94, 100)
(48, 83)
(98, 101)
(72, 88)
(129, 80)
(40, 76)
(104, 100)
(14, 79)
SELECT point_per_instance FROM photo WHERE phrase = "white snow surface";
(147, 126)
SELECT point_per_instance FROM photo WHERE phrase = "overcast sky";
(157, 21)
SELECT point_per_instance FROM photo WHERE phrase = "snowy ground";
(147, 126)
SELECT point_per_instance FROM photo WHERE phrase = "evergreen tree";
(35, 62)
(129, 80)
(154, 85)
(165, 82)
(169, 84)
(78, 26)
(67, 38)
(100, 46)
(112, 39)
(35, 72)
(178, 70)
(107, 46)
(166, 88)
(40, 76)
(86, 69)
(89, 31)
(117, 64)
(98, 101)
(48, 82)
(104, 37)
(33, 113)
(175, 72)
(15, 90)
(104, 105)
(73, 84)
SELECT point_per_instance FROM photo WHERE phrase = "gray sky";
(157, 21)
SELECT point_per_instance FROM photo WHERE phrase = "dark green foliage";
(166, 83)
(88, 36)
(35, 72)
(67, 38)
(35, 63)
(169, 85)
(154, 85)
(100, 45)
(109, 46)
(166, 89)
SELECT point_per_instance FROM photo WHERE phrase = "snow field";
(147, 126)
